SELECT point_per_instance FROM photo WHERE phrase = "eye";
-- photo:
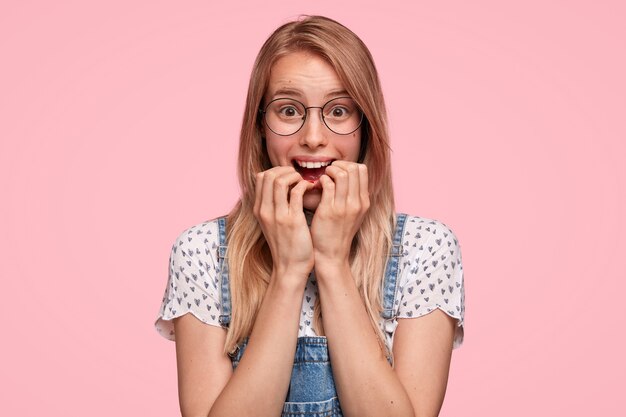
(338, 111)
(288, 111)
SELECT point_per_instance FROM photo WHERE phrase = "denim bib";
(312, 390)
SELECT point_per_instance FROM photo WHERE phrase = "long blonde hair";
(249, 257)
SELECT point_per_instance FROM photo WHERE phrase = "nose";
(314, 132)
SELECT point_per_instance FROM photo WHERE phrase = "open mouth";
(311, 170)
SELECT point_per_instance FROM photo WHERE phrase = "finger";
(266, 208)
(357, 181)
(354, 184)
(296, 195)
(328, 191)
(267, 191)
(282, 183)
(340, 177)
(258, 191)
(364, 185)
(343, 164)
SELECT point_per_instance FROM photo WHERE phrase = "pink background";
(118, 129)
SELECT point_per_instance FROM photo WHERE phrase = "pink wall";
(118, 129)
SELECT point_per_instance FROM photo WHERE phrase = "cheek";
(271, 156)
(353, 148)
(276, 150)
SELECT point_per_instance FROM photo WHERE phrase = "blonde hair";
(249, 258)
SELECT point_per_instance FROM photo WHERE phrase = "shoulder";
(199, 233)
(433, 233)
(193, 277)
(430, 244)
(198, 240)
(431, 272)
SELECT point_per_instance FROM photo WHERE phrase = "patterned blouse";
(430, 277)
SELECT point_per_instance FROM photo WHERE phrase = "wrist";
(289, 280)
(331, 258)
(332, 268)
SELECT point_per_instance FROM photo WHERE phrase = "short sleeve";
(192, 285)
(432, 273)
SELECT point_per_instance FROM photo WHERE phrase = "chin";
(311, 199)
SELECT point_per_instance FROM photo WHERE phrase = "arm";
(365, 382)
(203, 370)
(430, 314)
(259, 384)
(206, 381)
(422, 351)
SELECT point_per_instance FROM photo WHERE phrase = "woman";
(312, 267)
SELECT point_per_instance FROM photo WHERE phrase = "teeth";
(311, 164)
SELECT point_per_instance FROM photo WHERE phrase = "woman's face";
(313, 82)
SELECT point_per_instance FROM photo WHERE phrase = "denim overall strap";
(312, 391)
(223, 273)
(390, 281)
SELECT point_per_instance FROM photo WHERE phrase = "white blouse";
(430, 277)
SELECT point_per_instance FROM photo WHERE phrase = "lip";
(311, 174)
(308, 158)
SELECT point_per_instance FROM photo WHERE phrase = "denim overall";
(312, 388)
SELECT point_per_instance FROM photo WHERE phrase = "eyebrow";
(285, 91)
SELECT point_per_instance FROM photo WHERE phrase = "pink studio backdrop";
(118, 129)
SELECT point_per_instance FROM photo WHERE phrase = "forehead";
(303, 75)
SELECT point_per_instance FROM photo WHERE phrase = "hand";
(280, 214)
(344, 202)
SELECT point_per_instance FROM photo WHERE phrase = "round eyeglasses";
(286, 116)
